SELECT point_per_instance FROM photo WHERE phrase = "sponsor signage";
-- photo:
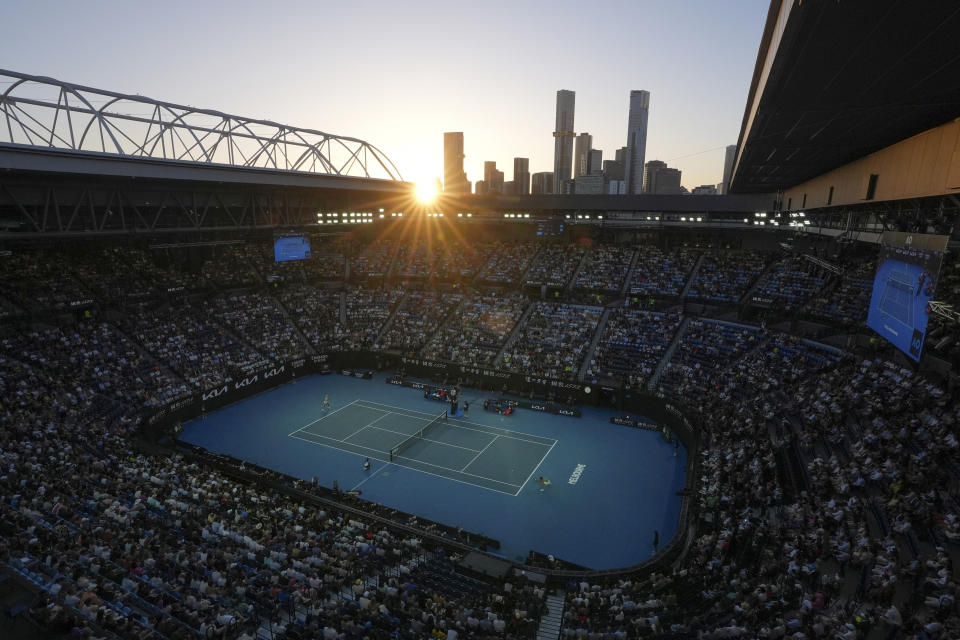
(227, 393)
(577, 472)
(627, 421)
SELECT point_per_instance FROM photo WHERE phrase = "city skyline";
(401, 85)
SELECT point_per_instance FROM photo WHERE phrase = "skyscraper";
(542, 183)
(492, 177)
(636, 140)
(581, 154)
(563, 139)
(521, 176)
(454, 179)
(728, 159)
(595, 161)
(661, 179)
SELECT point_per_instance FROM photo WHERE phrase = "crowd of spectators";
(125, 545)
(553, 341)
(37, 280)
(116, 368)
(373, 260)
(316, 312)
(554, 265)
(231, 266)
(943, 336)
(508, 262)
(827, 502)
(420, 315)
(827, 508)
(705, 349)
(261, 322)
(367, 311)
(724, 277)
(848, 300)
(790, 283)
(191, 343)
(661, 273)
(441, 260)
(478, 328)
(605, 268)
(632, 344)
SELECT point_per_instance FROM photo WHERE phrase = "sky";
(399, 75)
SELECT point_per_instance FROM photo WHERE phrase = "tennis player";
(544, 482)
(326, 402)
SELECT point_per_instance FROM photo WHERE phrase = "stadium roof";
(835, 81)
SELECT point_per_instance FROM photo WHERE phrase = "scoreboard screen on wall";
(905, 282)
(288, 248)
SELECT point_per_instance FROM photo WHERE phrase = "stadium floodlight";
(381, 209)
(683, 219)
(699, 219)
(469, 215)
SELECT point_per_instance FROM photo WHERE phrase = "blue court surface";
(478, 472)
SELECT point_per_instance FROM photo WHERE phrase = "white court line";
(401, 433)
(438, 466)
(385, 414)
(536, 467)
(371, 475)
(489, 430)
(429, 473)
(479, 454)
(326, 416)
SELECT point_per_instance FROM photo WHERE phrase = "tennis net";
(419, 435)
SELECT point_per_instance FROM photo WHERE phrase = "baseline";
(325, 417)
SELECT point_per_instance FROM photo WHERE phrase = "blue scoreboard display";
(905, 282)
(288, 248)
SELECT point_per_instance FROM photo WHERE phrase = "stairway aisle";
(692, 275)
(498, 359)
(593, 344)
(667, 355)
(551, 622)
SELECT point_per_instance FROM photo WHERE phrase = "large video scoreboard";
(905, 282)
(287, 248)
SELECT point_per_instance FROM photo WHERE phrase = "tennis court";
(612, 486)
(897, 300)
(482, 455)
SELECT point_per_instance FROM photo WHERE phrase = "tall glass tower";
(563, 140)
(636, 140)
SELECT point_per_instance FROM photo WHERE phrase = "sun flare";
(426, 191)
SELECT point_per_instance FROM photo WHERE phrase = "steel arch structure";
(43, 112)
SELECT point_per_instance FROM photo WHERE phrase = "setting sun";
(426, 192)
